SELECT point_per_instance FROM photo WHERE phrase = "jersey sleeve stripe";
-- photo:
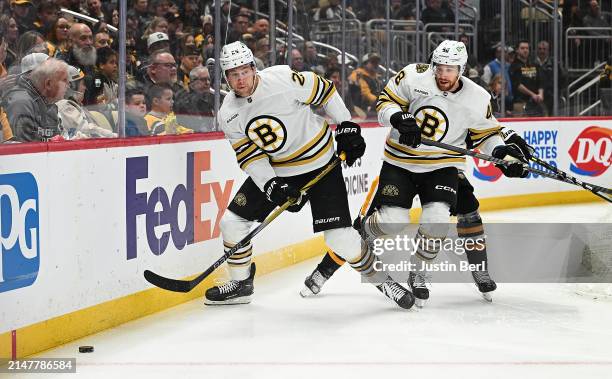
(331, 91)
(254, 158)
(315, 90)
(246, 151)
(320, 153)
(423, 160)
(237, 145)
(401, 102)
(406, 150)
(325, 84)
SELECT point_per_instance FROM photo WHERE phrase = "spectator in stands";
(77, 122)
(297, 60)
(240, 25)
(94, 9)
(58, 37)
(366, 84)
(136, 109)
(495, 89)
(334, 75)
(83, 55)
(472, 60)
(527, 83)
(10, 32)
(594, 19)
(435, 12)
(261, 28)
(105, 88)
(195, 107)
(162, 70)
(207, 29)
(101, 39)
(140, 12)
(311, 59)
(262, 51)
(30, 105)
(572, 18)
(23, 13)
(29, 42)
(157, 25)
(494, 68)
(160, 119)
(189, 59)
(158, 41)
(6, 133)
(546, 66)
(46, 16)
(329, 10)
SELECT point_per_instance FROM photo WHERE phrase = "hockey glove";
(279, 192)
(410, 133)
(350, 141)
(514, 168)
(512, 138)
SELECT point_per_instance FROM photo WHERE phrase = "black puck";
(86, 349)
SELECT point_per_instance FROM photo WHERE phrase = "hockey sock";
(240, 262)
(366, 267)
(469, 227)
(330, 264)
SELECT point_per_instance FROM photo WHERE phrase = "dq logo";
(164, 216)
(433, 122)
(591, 151)
(19, 231)
(267, 132)
(485, 170)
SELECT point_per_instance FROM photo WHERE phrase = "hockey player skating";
(281, 144)
(436, 102)
(469, 225)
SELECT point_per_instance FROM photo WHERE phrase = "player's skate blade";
(485, 284)
(233, 292)
(418, 284)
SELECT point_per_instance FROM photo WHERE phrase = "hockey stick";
(177, 285)
(597, 190)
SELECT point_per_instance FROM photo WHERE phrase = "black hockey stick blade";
(178, 285)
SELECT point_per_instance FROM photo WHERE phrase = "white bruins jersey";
(448, 117)
(274, 132)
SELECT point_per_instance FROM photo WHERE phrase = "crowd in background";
(59, 73)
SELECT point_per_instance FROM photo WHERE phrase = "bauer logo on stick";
(591, 151)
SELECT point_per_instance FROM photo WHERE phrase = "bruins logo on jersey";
(421, 68)
(267, 132)
(433, 122)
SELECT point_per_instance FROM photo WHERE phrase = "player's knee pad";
(233, 227)
(345, 242)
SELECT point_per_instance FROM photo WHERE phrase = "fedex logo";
(19, 231)
(485, 170)
(177, 215)
(591, 151)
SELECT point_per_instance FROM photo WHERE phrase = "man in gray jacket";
(30, 105)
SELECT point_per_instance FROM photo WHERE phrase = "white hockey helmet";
(234, 55)
(450, 53)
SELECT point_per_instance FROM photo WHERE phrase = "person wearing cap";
(30, 104)
(78, 122)
(366, 84)
(158, 41)
(23, 12)
(189, 59)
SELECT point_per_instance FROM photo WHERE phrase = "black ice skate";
(313, 283)
(232, 292)
(397, 293)
(485, 284)
(417, 282)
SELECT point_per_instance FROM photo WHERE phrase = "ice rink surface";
(352, 331)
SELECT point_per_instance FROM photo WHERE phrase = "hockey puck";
(86, 349)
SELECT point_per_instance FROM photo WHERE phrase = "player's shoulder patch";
(421, 67)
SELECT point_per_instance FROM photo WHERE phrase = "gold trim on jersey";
(304, 149)
(479, 136)
(254, 158)
(250, 149)
(238, 144)
(387, 98)
(319, 154)
(323, 89)
(423, 160)
(409, 151)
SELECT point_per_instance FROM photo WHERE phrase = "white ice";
(351, 330)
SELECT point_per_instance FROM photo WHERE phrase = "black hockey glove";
(279, 192)
(512, 138)
(350, 141)
(514, 168)
(410, 133)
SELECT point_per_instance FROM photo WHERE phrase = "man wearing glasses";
(194, 107)
(162, 70)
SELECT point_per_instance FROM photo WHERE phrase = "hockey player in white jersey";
(435, 102)
(282, 144)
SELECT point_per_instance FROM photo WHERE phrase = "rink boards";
(81, 221)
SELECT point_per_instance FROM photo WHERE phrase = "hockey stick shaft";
(597, 190)
(177, 285)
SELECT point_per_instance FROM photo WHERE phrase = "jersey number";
(398, 78)
(298, 78)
